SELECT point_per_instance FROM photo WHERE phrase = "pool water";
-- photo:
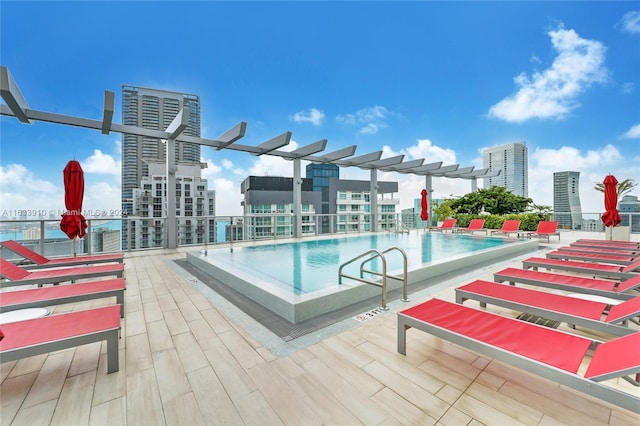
(308, 266)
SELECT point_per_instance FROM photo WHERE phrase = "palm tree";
(625, 186)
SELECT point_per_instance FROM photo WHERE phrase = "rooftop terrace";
(187, 356)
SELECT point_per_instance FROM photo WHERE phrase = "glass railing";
(107, 235)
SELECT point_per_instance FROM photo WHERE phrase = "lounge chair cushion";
(58, 327)
(625, 310)
(615, 358)
(554, 302)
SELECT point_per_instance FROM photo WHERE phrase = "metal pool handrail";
(375, 254)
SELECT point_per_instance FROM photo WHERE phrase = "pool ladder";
(374, 254)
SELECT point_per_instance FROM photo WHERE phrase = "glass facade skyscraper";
(513, 163)
(566, 200)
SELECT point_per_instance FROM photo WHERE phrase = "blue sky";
(434, 80)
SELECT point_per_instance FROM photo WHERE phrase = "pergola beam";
(455, 173)
(403, 166)
(12, 96)
(424, 168)
(107, 113)
(335, 155)
(354, 161)
(231, 135)
(307, 150)
(273, 144)
(385, 162)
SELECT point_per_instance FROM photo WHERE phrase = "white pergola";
(16, 106)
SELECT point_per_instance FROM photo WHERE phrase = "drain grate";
(539, 320)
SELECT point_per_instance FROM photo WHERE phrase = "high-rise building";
(566, 200)
(152, 109)
(195, 207)
(512, 161)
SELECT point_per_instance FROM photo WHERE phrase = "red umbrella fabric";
(73, 222)
(610, 217)
(424, 215)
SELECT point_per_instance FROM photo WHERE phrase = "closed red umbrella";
(424, 215)
(610, 217)
(73, 222)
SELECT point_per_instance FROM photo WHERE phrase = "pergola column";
(177, 126)
(374, 200)
(297, 198)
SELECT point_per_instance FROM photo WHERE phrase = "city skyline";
(440, 81)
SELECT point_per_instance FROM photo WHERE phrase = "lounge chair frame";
(574, 381)
(75, 338)
(48, 276)
(463, 295)
(59, 295)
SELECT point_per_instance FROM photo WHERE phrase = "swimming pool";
(299, 280)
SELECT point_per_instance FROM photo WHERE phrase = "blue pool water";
(308, 266)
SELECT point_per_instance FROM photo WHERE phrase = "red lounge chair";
(448, 224)
(511, 226)
(44, 262)
(635, 244)
(474, 225)
(592, 257)
(571, 310)
(600, 250)
(531, 347)
(19, 276)
(605, 270)
(545, 230)
(23, 339)
(606, 246)
(58, 295)
(583, 285)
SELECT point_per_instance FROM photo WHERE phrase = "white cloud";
(102, 197)
(631, 22)
(227, 164)
(312, 115)
(102, 163)
(633, 132)
(628, 88)
(228, 197)
(552, 93)
(432, 153)
(370, 119)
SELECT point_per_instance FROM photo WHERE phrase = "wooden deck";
(184, 362)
